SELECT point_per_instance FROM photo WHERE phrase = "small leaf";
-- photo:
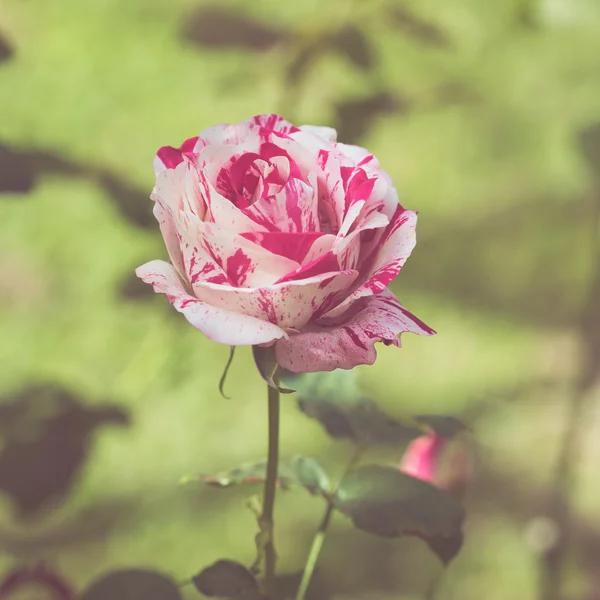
(341, 383)
(301, 63)
(334, 400)
(218, 28)
(6, 49)
(308, 473)
(418, 28)
(227, 579)
(267, 367)
(353, 44)
(299, 470)
(355, 117)
(133, 584)
(388, 503)
(445, 426)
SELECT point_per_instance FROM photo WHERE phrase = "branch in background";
(559, 508)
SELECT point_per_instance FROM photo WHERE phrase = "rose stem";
(319, 538)
(266, 519)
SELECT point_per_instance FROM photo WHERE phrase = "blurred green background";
(487, 116)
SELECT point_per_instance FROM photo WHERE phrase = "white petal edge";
(217, 324)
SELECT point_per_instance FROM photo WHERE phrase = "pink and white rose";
(280, 235)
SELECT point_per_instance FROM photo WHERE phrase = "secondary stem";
(266, 519)
(319, 538)
(315, 550)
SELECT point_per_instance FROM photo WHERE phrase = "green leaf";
(267, 367)
(299, 470)
(133, 584)
(388, 503)
(340, 383)
(418, 28)
(308, 473)
(227, 579)
(354, 45)
(334, 400)
(443, 425)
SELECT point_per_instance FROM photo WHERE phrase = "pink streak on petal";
(289, 305)
(170, 157)
(324, 264)
(383, 258)
(294, 246)
(349, 340)
(217, 324)
(239, 266)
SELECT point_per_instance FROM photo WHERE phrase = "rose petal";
(168, 157)
(294, 246)
(246, 264)
(349, 340)
(170, 236)
(422, 455)
(290, 305)
(178, 191)
(327, 133)
(293, 209)
(383, 258)
(216, 323)
(273, 123)
(358, 155)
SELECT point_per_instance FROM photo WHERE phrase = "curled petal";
(290, 304)
(349, 341)
(168, 157)
(217, 324)
(383, 257)
(326, 133)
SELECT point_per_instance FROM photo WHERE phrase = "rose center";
(252, 176)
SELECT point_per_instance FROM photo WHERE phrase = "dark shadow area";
(133, 204)
(527, 15)
(352, 43)
(588, 140)
(453, 93)
(220, 29)
(39, 577)
(506, 263)
(589, 144)
(47, 434)
(6, 49)
(89, 525)
(133, 584)
(354, 118)
(21, 170)
(419, 29)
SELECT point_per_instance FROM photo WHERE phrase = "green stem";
(315, 550)
(319, 539)
(266, 519)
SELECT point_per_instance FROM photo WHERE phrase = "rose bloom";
(442, 461)
(280, 235)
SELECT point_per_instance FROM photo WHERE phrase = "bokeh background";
(486, 114)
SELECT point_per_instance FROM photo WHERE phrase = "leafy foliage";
(133, 584)
(352, 43)
(442, 425)
(298, 471)
(388, 503)
(221, 29)
(334, 400)
(227, 579)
